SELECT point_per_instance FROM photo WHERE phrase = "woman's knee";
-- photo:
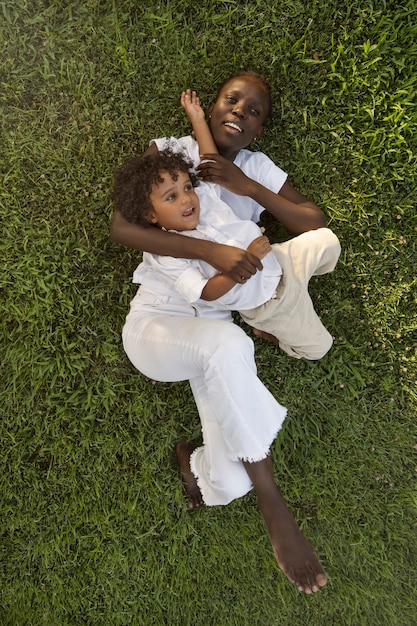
(231, 342)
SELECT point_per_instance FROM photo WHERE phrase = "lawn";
(94, 527)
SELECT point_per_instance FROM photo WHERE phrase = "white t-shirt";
(170, 276)
(256, 165)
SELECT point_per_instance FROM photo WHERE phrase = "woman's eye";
(231, 99)
(254, 112)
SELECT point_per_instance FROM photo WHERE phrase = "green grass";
(93, 523)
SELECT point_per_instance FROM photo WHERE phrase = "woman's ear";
(209, 110)
(260, 132)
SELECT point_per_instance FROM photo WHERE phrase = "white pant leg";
(239, 416)
(291, 316)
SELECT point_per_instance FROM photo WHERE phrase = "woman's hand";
(216, 169)
(237, 263)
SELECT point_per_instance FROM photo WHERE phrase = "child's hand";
(191, 103)
(260, 247)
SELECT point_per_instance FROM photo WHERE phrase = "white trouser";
(290, 316)
(240, 418)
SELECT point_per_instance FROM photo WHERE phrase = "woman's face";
(238, 115)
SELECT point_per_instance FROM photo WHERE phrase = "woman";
(217, 357)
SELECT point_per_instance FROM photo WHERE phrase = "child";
(159, 190)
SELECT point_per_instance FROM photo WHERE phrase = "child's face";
(238, 114)
(175, 203)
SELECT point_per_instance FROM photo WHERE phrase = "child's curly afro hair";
(133, 182)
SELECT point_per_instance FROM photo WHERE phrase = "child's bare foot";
(266, 336)
(293, 553)
(184, 449)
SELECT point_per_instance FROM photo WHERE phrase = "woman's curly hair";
(133, 182)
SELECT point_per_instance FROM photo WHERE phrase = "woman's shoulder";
(249, 158)
(258, 165)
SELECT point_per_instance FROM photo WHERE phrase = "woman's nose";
(238, 110)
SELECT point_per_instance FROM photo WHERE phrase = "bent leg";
(291, 317)
(240, 418)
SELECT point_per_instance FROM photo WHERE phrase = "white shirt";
(170, 276)
(256, 165)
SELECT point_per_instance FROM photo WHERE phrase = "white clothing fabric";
(168, 338)
(290, 316)
(188, 277)
(240, 418)
(255, 165)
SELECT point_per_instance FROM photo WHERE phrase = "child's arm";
(221, 284)
(191, 103)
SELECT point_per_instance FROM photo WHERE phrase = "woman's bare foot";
(266, 336)
(184, 449)
(293, 553)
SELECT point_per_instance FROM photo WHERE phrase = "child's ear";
(151, 217)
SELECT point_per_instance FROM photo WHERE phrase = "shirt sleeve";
(261, 168)
(190, 284)
(187, 279)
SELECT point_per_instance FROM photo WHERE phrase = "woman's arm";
(296, 212)
(237, 263)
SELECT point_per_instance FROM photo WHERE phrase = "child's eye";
(188, 187)
(172, 196)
